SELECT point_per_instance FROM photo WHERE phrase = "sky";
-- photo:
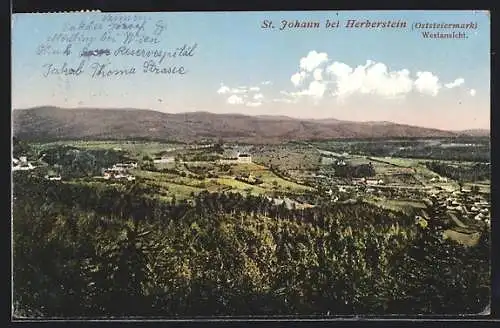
(237, 66)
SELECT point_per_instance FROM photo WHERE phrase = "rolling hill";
(52, 123)
(476, 133)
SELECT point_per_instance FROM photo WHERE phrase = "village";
(339, 178)
(119, 171)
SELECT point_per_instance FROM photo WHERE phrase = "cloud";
(375, 78)
(339, 69)
(371, 78)
(297, 78)
(316, 89)
(266, 83)
(456, 83)
(243, 95)
(239, 90)
(472, 92)
(427, 83)
(318, 74)
(223, 89)
(235, 100)
(313, 60)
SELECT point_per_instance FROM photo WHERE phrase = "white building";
(373, 182)
(53, 177)
(164, 160)
(116, 168)
(125, 165)
(110, 174)
(21, 164)
(244, 158)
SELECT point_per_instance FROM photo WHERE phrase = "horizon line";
(249, 115)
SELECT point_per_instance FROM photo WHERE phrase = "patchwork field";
(136, 149)
(381, 203)
(397, 204)
(278, 170)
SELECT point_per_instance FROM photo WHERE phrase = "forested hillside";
(52, 123)
(88, 250)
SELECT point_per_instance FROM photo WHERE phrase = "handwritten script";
(113, 45)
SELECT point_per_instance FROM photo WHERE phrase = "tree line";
(84, 250)
(475, 172)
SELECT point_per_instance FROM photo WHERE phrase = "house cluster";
(341, 189)
(367, 182)
(120, 171)
(439, 179)
(197, 147)
(21, 164)
(464, 204)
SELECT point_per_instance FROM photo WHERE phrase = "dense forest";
(460, 149)
(354, 171)
(75, 163)
(114, 250)
(70, 162)
(476, 172)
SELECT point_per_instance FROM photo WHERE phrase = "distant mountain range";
(53, 123)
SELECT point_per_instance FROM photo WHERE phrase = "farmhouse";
(244, 158)
(52, 177)
(21, 164)
(116, 169)
(438, 179)
(164, 160)
(122, 167)
(111, 174)
(126, 165)
(373, 182)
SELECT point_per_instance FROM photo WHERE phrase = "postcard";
(313, 164)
